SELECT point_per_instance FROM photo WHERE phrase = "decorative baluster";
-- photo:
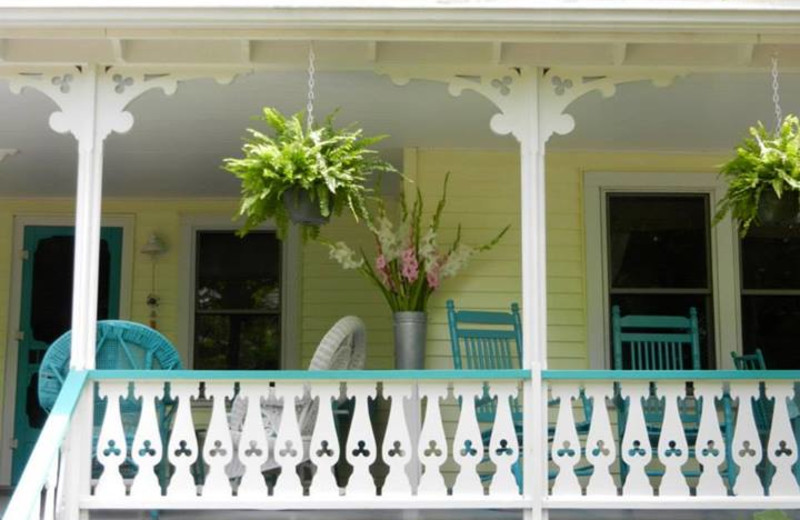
(361, 446)
(432, 448)
(782, 445)
(468, 443)
(673, 449)
(397, 442)
(288, 442)
(324, 449)
(566, 450)
(218, 446)
(111, 446)
(503, 445)
(50, 493)
(636, 450)
(746, 443)
(253, 446)
(182, 448)
(147, 444)
(601, 450)
(709, 447)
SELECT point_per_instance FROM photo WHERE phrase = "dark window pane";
(51, 293)
(237, 305)
(658, 241)
(772, 323)
(770, 258)
(237, 342)
(238, 273)
(673, 305)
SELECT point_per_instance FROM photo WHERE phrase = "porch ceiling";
(177, 143)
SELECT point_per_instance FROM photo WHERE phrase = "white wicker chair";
(344, 347)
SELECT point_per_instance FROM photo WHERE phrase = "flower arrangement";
(410, 264)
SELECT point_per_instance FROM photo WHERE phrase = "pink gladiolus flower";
(433, 279)
(410, 265)
(380, 263)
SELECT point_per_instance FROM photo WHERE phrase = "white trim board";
(127, 223)
(724, 257)
(291, 286)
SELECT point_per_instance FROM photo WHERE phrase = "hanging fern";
(331, 164)
(765, 161)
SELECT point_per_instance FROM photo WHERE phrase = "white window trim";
(126, 222)
(290, 285)
(724, 257)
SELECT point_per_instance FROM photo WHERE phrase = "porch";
(415, 448)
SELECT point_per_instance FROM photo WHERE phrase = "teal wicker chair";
(121, 345)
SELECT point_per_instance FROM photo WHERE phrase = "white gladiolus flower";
(456, 261)
(428, 250)
(345, 256)
(390, 244)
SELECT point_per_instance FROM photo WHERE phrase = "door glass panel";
(51, 292)
(237, 301)
(658, 258)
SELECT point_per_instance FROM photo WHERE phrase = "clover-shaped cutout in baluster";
(122, 82)
(468, 449)
(217, 450)
(324, 450)
(396, 450)
(504, 448)
(432, 449)
(253, 450)
(288, 449)
(783, 450)
(565, 449)
(673, 450)
(600, 448)
(560, 86)
(147, 450)
(746, 450)
(361, 450)
(503, 85)
(183, 450)
(637, 450)
(63, 82)
(710, 449)
(112, 448)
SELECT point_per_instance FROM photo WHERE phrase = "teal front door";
(45, 314)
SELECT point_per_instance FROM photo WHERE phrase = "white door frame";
(291, 254)
(126, 222)
(724, 257)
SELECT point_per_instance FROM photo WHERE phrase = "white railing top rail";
(28, 492)
(310, 375)
(675, 375)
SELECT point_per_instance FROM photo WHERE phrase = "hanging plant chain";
(311, 71)
(776, 97)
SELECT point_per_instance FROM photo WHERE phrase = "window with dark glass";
(237, 301)
(770, 274)
(659, 258)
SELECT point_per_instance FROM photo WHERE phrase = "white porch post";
(88, 207)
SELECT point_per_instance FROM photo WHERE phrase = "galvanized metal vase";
(409, 340)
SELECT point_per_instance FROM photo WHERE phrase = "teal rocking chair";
(121, 345)
(655, 343)
(492, 340)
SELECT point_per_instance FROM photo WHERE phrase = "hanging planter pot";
(302, 208)
(778, 211)
(303, 172)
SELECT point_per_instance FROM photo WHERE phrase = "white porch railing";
(690, 439)
(681, 440)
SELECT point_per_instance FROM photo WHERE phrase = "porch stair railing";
(40, 490)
